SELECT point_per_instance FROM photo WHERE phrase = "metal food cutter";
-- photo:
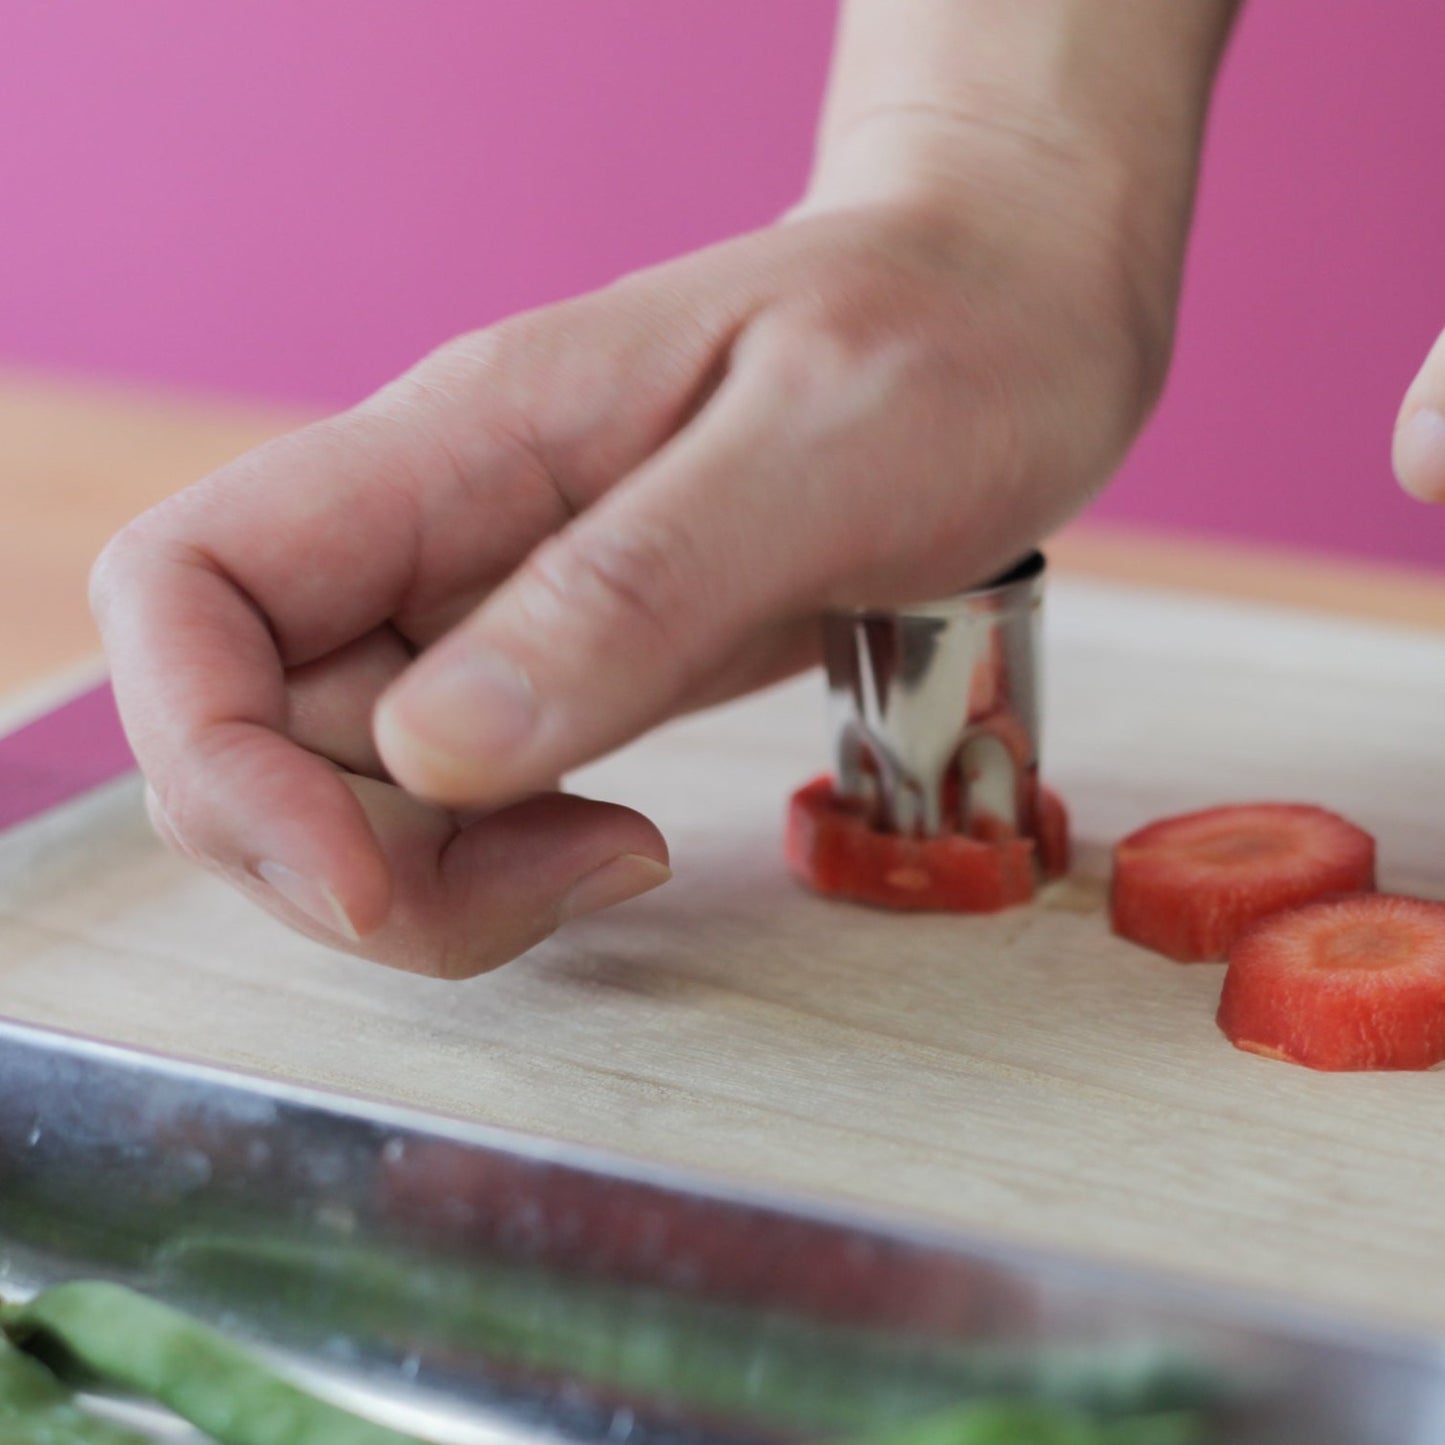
(936, 709)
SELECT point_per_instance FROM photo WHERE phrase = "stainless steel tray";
(475, 1285)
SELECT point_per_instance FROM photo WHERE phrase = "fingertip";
(285, 825)
(423, 771)
(340, 886)
(523, 872)
(1418, 455)
(452, 728)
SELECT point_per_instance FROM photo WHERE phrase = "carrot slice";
(1187, 887)
(830, 847)
(1055, 850)
(1353, 983)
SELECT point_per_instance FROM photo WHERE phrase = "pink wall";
(1315, 288)
(296, 197)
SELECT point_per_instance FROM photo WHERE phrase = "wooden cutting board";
(1027, 1076)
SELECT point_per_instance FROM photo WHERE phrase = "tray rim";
(1220, 1305)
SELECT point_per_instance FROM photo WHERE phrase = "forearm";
(1121, 85)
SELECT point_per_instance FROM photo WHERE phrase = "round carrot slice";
(1353, 983)
(1187, 887)
(831, 848)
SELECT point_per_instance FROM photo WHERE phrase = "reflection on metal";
(936, 708)
(476, 1286)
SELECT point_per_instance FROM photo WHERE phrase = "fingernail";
(458, 712)
(615, 882)
(311, 897)
(1420, 455)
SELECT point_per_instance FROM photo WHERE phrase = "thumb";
(616, 619)
(1419, 448)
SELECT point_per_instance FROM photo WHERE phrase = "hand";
(1419, 448)
(354, 663)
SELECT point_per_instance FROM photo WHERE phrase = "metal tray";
(474, 1285)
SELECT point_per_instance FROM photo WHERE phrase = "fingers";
(203, 696)
(1419, 444)
(779, 498)
(469, 899)
(615, 621)
(329, 702)
(231, 615)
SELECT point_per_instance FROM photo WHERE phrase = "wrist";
(977, 181)
(1084, 116)
(1130, 77)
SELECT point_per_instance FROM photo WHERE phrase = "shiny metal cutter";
(936, 708)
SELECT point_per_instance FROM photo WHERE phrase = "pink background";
(294, 198)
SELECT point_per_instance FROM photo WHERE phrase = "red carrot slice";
(1353, 983)
(1187, 887)
(831, 847)
(1055, 850)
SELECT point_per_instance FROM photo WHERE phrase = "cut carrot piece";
(1187, 887)
(1353, 983)
(1054, 847)
(831, 847)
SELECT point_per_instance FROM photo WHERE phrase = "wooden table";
(77, 461)
(1026, 1076)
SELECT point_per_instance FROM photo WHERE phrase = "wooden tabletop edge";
(1347, 587)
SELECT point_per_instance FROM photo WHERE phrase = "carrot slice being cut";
(831, 847)
(1353, 983)
(1055, 849)
(1187, 887)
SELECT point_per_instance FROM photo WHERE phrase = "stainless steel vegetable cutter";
(936, 708)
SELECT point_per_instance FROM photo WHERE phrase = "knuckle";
(494, 348)
(1133, 341)
(476, 371)
(142, 548)
(848, 353)
(502, 374)
(539, 375)
(113, 570)
(478, 397)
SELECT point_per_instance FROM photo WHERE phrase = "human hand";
(353, 663)
(1419, 444)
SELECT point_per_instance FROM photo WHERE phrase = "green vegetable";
(36, 1409)
(124, 1340)
(112, 1336)
(1177, 1428)
(786, 1371)
(1011, 1423)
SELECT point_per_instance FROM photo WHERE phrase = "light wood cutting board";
(1027, 1075)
